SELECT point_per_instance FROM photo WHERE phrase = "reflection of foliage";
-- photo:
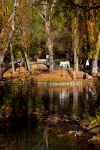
(94, 121)
(1, 109)
(94, 125)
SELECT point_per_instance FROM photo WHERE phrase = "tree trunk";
(27, 62)
(49, 45)
(93, 37)
(12, 58)
(12, 28)
(75, 44)
(76, 36)
(95, 57)
(49, 36)
(75, 41)
(9, 38)
(1, 72)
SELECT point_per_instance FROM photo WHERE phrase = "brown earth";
(41, 73)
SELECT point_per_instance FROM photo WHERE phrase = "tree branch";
(39, 13)
(12, 29)
(84, 6)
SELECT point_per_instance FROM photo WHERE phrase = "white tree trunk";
(12, 58)
(75, 41)
(76, 38)
(49, 45)
(12, 28)
(49, 36)
(95, 57)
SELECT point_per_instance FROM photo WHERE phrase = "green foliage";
(10, 6)
(30, 30)
(89, 118)
(19, 55)
(37, 50)
(94, 121)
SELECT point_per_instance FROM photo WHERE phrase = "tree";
(93, 35)
(12, 18)
(46, 12)
(95, 56)
(90, 9)
(75, 40)
(12, 57)
(76, 37)
(49, 35)
(25, 31)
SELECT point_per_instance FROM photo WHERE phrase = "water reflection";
(22, 100)
(22, 106)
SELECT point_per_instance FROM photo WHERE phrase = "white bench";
(65, 64)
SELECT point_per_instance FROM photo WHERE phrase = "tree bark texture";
(12, 58)
(10, 34)
(27, 62)
(93, 38)
(49, 36)
(49, 44)
(75, 41)
(12, 28)
(95, 56)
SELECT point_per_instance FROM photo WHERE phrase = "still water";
(24, 110)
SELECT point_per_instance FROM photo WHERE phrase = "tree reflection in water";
(25, 109)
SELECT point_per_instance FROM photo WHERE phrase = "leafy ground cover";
(40, 73)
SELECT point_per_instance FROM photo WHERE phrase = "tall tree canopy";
(61, 28)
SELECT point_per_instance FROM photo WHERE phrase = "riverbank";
(41, 75)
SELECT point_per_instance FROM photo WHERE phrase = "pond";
(42, 117)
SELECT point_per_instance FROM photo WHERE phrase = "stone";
(84, 125)
(53, 120)
(95, 131)
(89, 77)
(75, 133)
(75, 119)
